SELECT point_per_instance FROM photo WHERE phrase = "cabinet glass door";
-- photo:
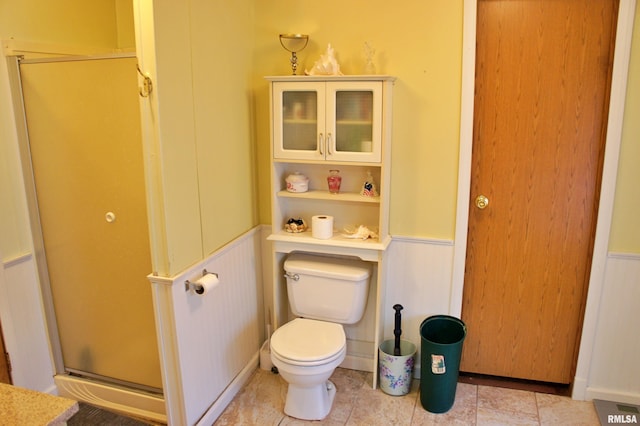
(357, 131)
(353, 121)
(299, 127)
(300, 123)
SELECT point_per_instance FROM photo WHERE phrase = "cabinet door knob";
(329, 150)
(321, 143)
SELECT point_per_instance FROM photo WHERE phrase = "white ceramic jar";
(297, 183)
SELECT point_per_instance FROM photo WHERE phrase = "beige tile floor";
(261, 402)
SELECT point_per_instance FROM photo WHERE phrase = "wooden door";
(542, 88)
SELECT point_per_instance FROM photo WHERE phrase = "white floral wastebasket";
(396, 371)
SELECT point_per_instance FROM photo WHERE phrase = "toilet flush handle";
(294, 277)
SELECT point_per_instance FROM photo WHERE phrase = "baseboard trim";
(218, 407)
(579, 391)
(354, 362)
(612, 395)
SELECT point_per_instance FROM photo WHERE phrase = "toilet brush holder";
(265, 356)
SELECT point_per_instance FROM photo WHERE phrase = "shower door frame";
(42, 269)
(13, 63)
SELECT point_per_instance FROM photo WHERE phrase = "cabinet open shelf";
(351, 197)
(338, 240)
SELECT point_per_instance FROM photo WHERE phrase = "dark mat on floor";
(88, 415)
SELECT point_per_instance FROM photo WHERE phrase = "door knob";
(482, 201)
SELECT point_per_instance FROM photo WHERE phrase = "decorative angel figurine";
(369, 52)
(326, 65)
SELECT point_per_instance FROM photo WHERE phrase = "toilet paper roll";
(322, 227)
(206, 283)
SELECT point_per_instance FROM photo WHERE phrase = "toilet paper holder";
(197, 288)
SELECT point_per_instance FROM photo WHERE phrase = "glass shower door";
(86, 149)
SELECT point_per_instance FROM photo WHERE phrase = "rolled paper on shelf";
(322, 227)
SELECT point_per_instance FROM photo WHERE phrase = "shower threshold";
(115, 397)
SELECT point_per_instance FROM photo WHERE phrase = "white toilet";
(324, 292)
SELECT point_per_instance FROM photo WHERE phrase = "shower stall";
(81, 147)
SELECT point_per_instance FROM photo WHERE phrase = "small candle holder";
(294, 43)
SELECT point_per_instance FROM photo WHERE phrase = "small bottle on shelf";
(369, 187)
(334, 180)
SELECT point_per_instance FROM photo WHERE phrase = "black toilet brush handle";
(397, 331)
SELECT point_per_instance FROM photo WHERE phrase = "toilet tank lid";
(325, 266)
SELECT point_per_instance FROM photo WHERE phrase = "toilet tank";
(327, 288)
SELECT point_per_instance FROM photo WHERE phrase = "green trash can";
(441, 348)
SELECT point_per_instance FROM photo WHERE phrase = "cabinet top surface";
(331, 78)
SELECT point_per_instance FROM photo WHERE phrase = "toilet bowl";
(324, 293)
(306, 353)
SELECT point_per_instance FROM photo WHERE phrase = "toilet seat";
(308, 342)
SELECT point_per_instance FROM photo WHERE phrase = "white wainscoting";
(615, 363)
(419, 278)
(209, 344)
(23, 324)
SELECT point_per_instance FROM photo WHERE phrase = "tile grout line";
(415, 407)
(477, 402)
(353, 404)
(535, 395)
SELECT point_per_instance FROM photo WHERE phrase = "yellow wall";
(222, 67)
(206, 155)
(125, 26)
(15, 239)
(170, 146)
(625, 230)
(68, 22)
(203, 174)
(420, 42)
